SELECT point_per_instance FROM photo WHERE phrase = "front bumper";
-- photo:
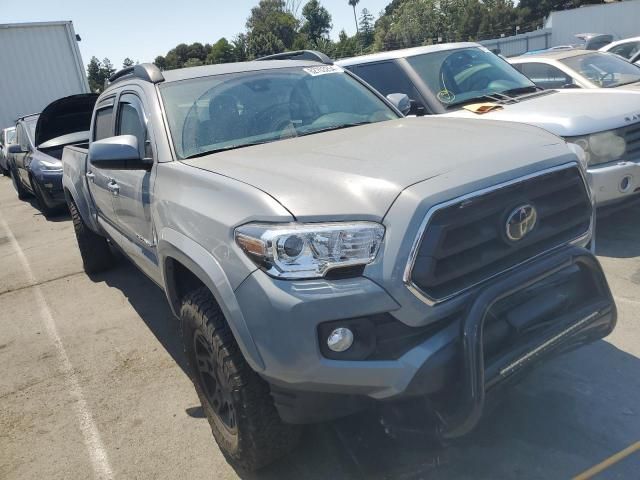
(615, 182)
(558, 302)
(50, 183)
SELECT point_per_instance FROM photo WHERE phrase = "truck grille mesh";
(631, 135)
(465, 242)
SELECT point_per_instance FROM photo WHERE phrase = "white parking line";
(97, 453)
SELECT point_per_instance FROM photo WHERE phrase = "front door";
(133, 202)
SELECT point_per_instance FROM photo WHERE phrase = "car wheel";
(22, 192)
(236, 401)
(39, 194)
(94, 249)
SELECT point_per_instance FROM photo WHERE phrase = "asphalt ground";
(93, 385)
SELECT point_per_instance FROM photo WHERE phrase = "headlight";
(601, 147)
(310, 250)
(50, 165)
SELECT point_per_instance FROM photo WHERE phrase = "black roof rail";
(144, 71)
(312, 55)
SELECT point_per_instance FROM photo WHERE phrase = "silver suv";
(467, 80)
(324, 254)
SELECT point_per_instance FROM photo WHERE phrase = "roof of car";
(224, 68)
(406, 52)
(620, 42)
(554, 54)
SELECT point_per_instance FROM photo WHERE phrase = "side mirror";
(118, 153)
(401, 102)
(15, 148)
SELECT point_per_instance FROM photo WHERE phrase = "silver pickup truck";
(325, 255)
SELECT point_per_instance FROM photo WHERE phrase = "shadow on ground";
(618, 232)
(565, 417)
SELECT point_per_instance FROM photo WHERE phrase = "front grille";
(465, 241)
(631, 135)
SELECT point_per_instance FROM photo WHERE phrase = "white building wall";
(621, 19)
(39, 63)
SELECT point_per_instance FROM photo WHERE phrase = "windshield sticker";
(323, 70)
(446, 96)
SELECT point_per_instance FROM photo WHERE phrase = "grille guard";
(584, 326)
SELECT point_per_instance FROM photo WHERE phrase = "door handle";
(90, 176)
(113, 187)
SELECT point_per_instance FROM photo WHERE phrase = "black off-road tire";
(253, 436)
(94, 248)
(22, 192)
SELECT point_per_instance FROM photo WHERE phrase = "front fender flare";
(200, 262)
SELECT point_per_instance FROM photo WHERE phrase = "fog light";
(625, 184)
(340, 339)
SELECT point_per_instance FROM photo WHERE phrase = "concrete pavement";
(93, 385)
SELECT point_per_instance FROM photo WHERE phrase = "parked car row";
(377, 231)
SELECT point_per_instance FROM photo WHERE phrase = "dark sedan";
(36, 166)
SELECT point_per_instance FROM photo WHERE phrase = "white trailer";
(39, 62)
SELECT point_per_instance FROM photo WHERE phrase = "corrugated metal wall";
(519, 44)
(39, 63)
(621, 19)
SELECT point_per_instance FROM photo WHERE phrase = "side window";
(386, 77)
(545, 76)
(626, 50)
(102, 124)
(131, 122)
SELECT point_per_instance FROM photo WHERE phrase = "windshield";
(603, 69)
(231, 111)
(11, 136)
(458, 76)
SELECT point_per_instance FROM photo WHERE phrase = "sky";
(144, 29)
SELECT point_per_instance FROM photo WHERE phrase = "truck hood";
(569, 112)
(64, 116)
(358, 172)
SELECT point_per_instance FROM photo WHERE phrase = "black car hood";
(64, 116)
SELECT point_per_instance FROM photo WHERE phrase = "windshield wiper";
(335, 127)
(224, 149)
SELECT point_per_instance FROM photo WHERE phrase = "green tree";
(94, 75)
(182, 54)
(127, 62)
(221, 52)
(240, 47)
(345, 46)
(160, 62)
(192, 62)
(366, 29)
(107, 69)
(271, 19)
(317, 21)
(353, 4)
(264, 44)
(196, 50)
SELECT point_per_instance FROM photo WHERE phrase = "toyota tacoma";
(325, 254)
